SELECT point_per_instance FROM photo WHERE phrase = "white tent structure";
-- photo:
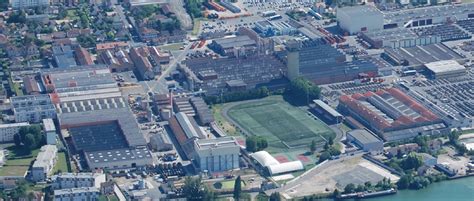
(274, 167)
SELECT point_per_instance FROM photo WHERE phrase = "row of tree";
(261, 92)
(193, 7)
(329, 151)
(255, 143)
(301, 91)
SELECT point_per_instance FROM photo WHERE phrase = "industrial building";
(84, 193)
(397, 38)
(354, 19)
(7, 131)
(43, 166)
(212, 76)
(217, 155)
(81, 83)
(77, 180)
(417, 56)
(272, 166)
(392, 114)
(234, 46)
(50, 131)
(327, 113)
(203, 113)
(445, 69)
(64, 56)
(269, 28)
(322, 63)
(366, 140)
(33, 108)
(160, 142)
(186, 131)
(424, 16)
(128, 158)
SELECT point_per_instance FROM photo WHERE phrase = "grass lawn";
(18, 161)
(283, 125)
(61, 164)
(72, 15)
(172, 47)
(229, 184)
(228, 128)
(197, 25)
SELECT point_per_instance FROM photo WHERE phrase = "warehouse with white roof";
(445, 69)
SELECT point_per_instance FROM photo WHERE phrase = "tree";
(275, 196)
(17, 139)
(301, 91)
(237, 188)
(255, 143)
(194, 190)
(404, 181)
(312, 146)
(350, 188)
(413, 161)
(336, 194)
(30, 141)
(360, 188)
(250, 144)
(331, 140)
(324, 156)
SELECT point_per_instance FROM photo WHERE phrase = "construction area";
(328, 176)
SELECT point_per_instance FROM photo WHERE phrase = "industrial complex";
(235, 99)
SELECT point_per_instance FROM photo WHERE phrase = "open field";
(18, 162)
(283, 125)
(61, 164)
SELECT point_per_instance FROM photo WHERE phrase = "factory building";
(397, 38)
(392, 114)
(7, 131)
(355, 19)
(234, 46)
(445, 69)
(128, 158)
(327, 113)
(212, 75)
(160, 142)
(321, 63)
(366, 140)
(44, 163)
(186, 131)
(218, 154)
(425, 16)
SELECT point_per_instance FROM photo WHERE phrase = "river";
(452, 190)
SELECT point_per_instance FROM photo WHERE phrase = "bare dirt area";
(335, 174)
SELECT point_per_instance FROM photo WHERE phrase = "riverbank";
(461, 189)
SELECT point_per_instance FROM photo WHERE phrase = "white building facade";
(44, 163)
(7, 131)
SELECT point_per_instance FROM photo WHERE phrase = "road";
(159, 84)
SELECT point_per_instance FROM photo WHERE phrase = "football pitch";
(283, 125)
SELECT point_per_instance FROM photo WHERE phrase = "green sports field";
(283, 125)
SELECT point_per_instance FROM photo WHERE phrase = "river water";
(452, 190)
